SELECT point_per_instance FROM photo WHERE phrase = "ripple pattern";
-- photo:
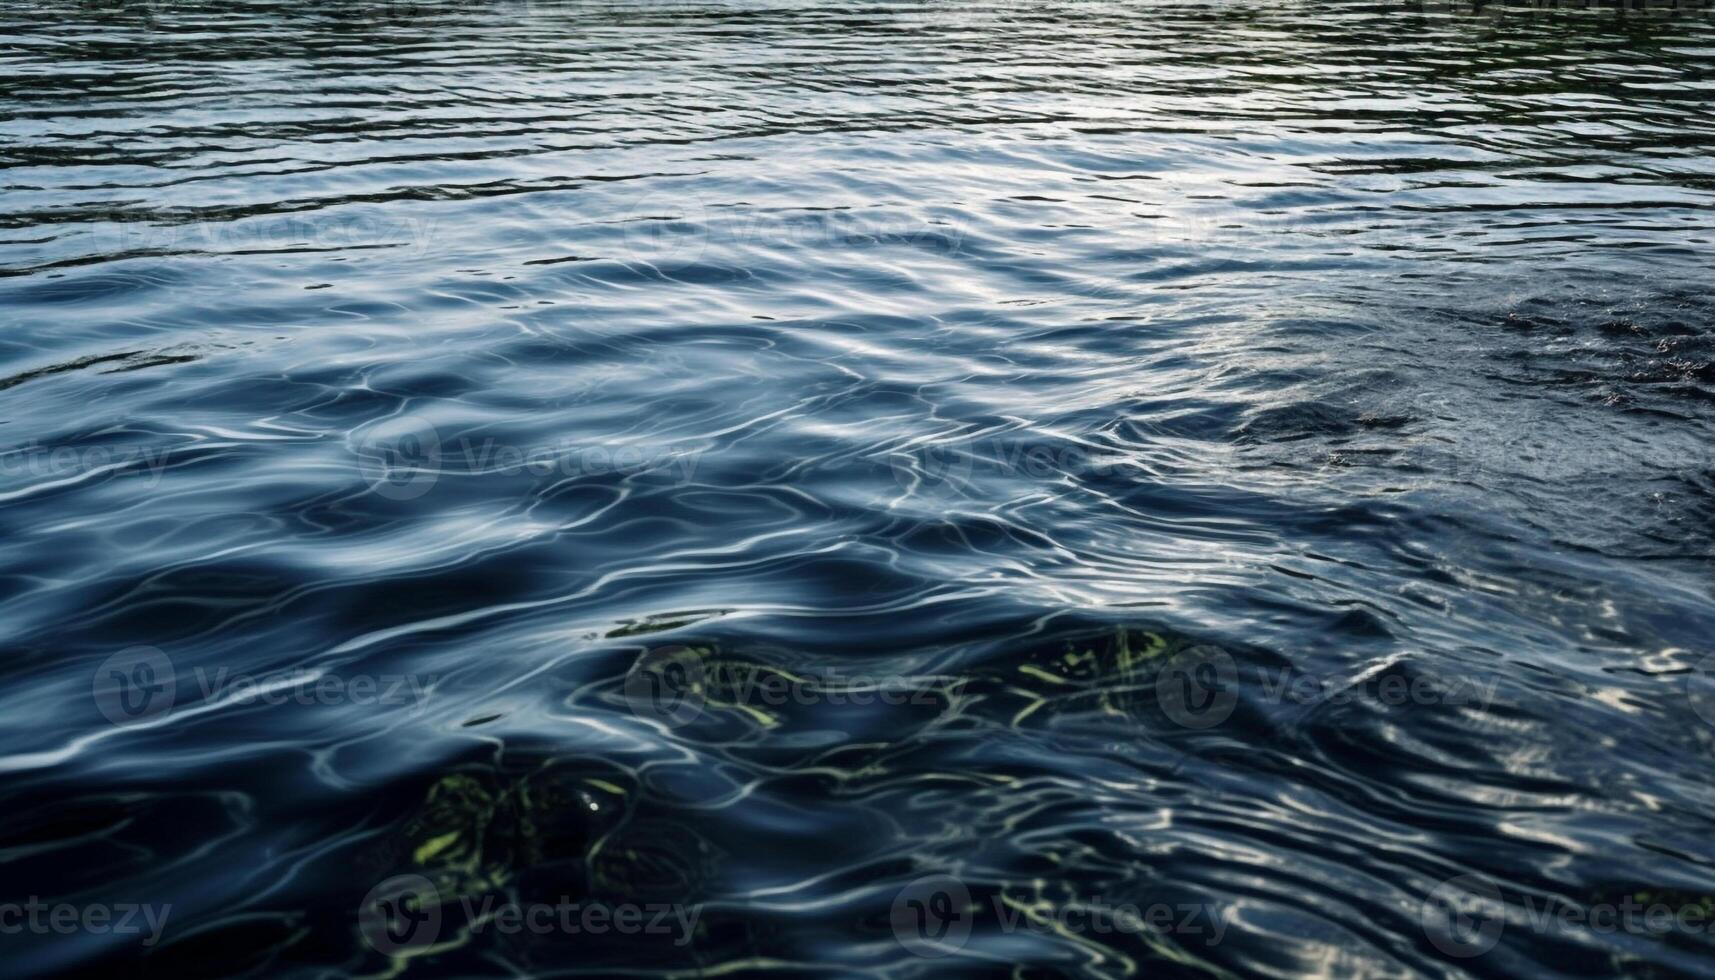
(901, 488)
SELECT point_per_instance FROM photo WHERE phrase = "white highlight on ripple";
(53, 757)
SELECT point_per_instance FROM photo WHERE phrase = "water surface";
(755, 457)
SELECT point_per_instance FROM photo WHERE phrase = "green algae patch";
(479, 828)
(661, 622)
(1111, 673)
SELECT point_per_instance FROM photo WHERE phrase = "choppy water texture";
(748, 457)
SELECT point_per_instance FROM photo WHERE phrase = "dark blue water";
(910, 489)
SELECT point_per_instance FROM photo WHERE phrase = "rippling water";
(887, 487)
